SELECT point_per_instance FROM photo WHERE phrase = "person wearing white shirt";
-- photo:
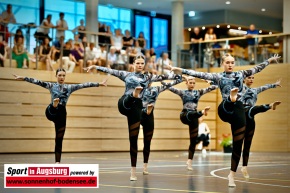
(112, 57)
(93, 54)
(8, 16)
(44, 28)
(117, 40)
(61, 26)
(163, 62)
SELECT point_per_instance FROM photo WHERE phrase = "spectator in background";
(67, 63)
(79, 29)
(151, 65)
(6, 17)
(217, 53)
(18, 34)
(117, 40)
(45, 54)
(132, 55)
(84, 42)
(112, 57)
(141, 42)
(152, 52)
(102, 38)
(56, 50)
(103, 57)
(251, 42)
(3, 51)
(77, 39)
(43, 30)
(210, 35)
(196, 38)
(92, 54)
(203, 138)
(77, 55)
(61, 26)
(20, 54)
(127, 40)
(162, 62)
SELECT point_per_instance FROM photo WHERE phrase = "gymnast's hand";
(104, 82)
(276, 57)
(176, 70)
(278, 82)
(88, 69)
(18, 77)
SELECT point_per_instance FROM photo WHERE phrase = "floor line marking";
(227, 168)
(161, 189)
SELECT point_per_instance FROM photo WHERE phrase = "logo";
(51, 175)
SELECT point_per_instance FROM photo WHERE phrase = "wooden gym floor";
(269, 172)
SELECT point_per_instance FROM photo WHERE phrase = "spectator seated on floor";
(203, 138)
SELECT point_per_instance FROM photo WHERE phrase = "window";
(115, 17)
(142, 24)
(160, 35)
(73, 13)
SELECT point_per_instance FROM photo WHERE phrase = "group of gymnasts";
(137, 104)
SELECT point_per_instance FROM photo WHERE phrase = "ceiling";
(274, 8)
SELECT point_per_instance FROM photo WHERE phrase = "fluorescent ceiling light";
(240, 32)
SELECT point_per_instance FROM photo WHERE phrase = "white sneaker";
(145, 172)
(245, 172)
(145, 169)
(231, 181)
(189, 165)
(133, 176)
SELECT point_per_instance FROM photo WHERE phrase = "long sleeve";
(254, 70)
(118, 73)
(46, 85)
(156, 78)
(176, 91)
(75, 87)
(208, 89)
(168, 85)
(202, 75)
(265, 87)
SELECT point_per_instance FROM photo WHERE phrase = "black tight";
(190, 118)
(204, 138)
(132, 108)
(58, 116)
(234, 114)
(147, 122)
(250, 129)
